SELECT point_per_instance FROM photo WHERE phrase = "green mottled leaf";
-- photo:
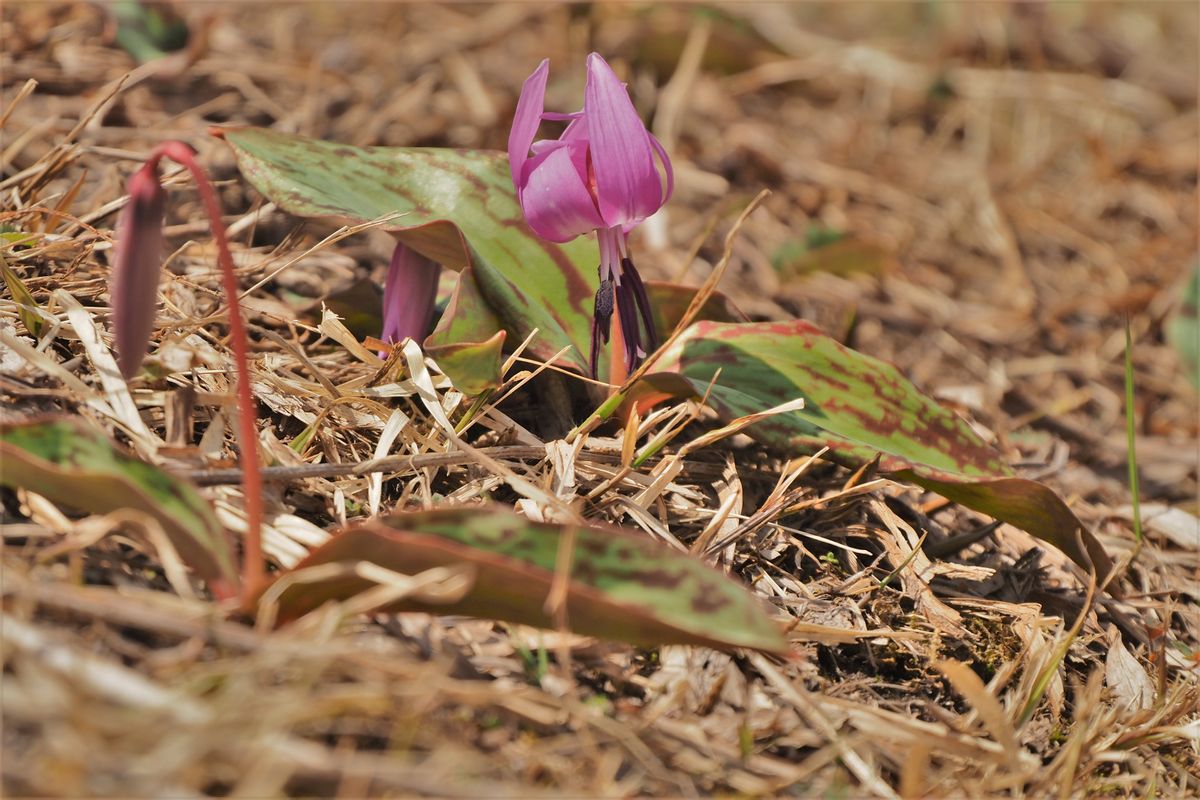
(866, 404)
(1183, 328)
(469, 338)
(859, 406)
(622, 586)
(459, 209)
(77, 467)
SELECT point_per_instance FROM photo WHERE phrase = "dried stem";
(253, 572)
(408, 464)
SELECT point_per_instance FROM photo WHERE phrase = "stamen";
(630, 273)
(594, 359)
(601, 321)
(629, 325)
(604, 306)
(610, 255)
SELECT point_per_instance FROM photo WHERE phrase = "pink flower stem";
(253, 570)
(618, 370)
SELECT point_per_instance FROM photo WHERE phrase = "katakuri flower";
(603, 174)
(409, 295)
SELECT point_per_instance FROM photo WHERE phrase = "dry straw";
(983, 671)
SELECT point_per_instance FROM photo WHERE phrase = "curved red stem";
(253, 571)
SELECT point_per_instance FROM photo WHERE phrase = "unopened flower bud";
(136, 265)
(409, 295)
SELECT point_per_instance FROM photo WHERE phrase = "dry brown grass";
(1020, 213)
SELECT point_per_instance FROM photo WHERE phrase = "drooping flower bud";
(409, 295)
(136, 265)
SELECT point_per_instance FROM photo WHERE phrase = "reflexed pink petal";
(554, 195)
(628, 185)
(542, 146)
(409, 295)
(575, 131)
(136, 264)
(561, 116)
(666, 162)
(527, 118)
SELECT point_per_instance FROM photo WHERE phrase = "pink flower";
(601, 174)
(409, 295)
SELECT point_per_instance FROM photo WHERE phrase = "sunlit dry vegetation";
(982, 194)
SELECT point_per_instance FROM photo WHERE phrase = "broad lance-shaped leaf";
(459, 208)
(76, 466)
(859, 406)
(622, 586)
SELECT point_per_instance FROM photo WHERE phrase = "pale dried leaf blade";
(1126, 678)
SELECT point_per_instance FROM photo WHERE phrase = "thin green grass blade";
(1131, 438)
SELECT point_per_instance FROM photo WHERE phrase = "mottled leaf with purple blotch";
(859, 406)
(458, 208)
(469, 339)
(620, 585)
(78, 467)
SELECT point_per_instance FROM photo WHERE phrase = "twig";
(219, 477)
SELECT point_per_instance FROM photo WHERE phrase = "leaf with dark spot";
(859, 406)
(459, 208)
(622, 586)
